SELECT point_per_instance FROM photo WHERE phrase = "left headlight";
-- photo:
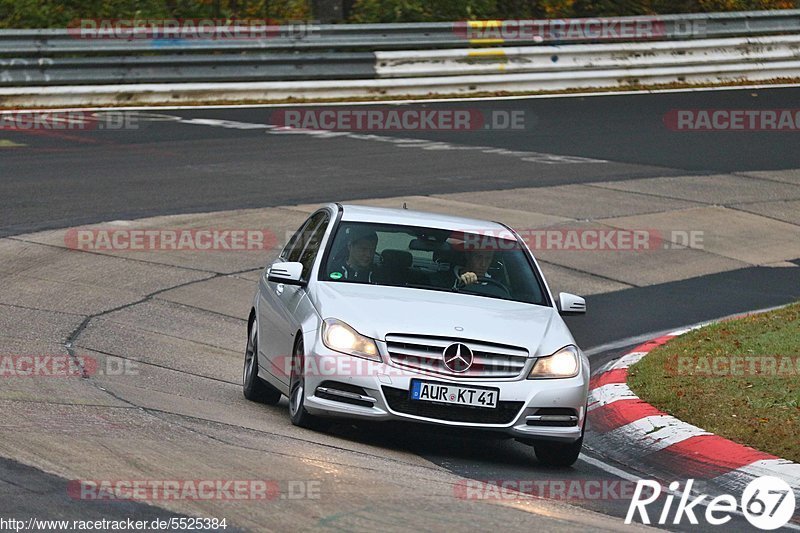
(565, 363)
(340, 337)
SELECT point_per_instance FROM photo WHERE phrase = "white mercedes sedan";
(392, 314)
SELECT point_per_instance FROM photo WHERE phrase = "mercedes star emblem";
(457, 357)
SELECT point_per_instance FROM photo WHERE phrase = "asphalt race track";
(578, 161)
(66, 178)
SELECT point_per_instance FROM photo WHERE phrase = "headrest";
(397, 258)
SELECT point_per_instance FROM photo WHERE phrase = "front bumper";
(338, 385)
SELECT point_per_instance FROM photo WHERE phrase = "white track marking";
(607, 394)
(781, 468)
(399, 142)
(597, 463)
(659, 431)
(628, 360)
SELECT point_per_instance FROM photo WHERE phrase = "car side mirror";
(569, 304)
(290, 273)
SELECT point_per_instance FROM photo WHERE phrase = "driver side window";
(305, 243)
(294, 248)
(293, 243)
(314, 241)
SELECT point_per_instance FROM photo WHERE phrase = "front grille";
(504, 413)
(425, 353)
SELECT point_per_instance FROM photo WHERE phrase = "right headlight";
(565, 363)
(340, 337)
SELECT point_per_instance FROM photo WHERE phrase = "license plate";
(429, 391)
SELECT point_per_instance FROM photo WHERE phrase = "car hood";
(376, 311)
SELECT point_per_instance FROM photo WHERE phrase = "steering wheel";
(487, 281)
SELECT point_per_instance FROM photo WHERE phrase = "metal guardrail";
(326, 52)
(707, 53)
(372, 37)
(188, 68)
(766, 48)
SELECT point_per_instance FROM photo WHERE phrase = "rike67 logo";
(767, 503)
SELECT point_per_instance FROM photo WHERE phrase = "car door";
(278, 321)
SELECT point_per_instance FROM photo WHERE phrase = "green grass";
(758, 408)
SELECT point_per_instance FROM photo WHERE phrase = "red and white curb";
(630, 430)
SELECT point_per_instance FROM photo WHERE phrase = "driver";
(360, 262)
(477, 266)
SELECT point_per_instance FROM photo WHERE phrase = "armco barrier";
(192, 68)
(372, 37)
(596, 57)
(176, 93)
(55, 68)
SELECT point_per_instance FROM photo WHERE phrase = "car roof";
(408, 217)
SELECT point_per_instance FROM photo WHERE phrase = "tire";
(557, 453)
(297, 388)
(254, 388)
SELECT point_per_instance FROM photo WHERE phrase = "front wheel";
(253, 387)
(558, 454)
(297, 392)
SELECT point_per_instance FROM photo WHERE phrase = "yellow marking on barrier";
(484, 23)
(5, 143)
(490, 28)
(487, 41)
(494, 52)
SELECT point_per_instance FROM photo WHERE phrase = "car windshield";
(490, 263)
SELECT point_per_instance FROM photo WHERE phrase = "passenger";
(360, 262)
